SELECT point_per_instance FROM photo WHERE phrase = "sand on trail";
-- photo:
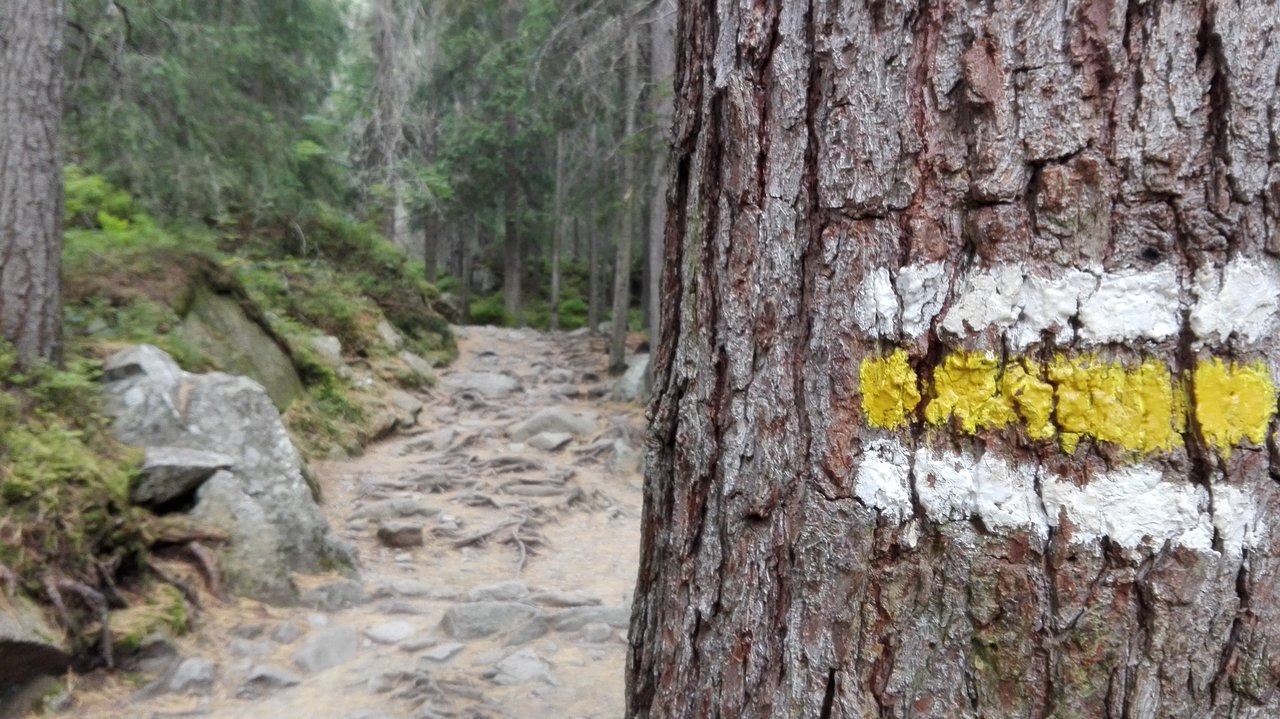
(565, 523)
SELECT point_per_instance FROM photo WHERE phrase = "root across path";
(498, 542)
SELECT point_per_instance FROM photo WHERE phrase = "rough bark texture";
(31, 44)
(820, 142)
(661, 73)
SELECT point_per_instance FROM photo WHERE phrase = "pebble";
(444, 652)
(499, 592)
(193, 675)
(400, 535)
(327, 649)
(286, 633)
(391, 632)
(265, 678)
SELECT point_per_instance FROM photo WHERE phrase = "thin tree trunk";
(556, 234)
(512, 266)
(622, 260)
(965, 404)
(593, 247)
(468, 250)
(662, 69)
(31, 177)
(431, 249)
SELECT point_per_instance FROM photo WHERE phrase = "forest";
(578, 358)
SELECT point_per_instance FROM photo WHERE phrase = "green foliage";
(490, 310)
(573, 313)
(64, 480)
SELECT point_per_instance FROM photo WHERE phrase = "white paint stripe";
(1133, 507)
(1241, 299)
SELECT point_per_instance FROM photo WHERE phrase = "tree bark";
(622, 260)
(558, 232)
(965, 405)
(512, 266)
(31, 43)
(593, 245)
(469, 245)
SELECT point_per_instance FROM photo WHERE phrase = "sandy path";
(565, 532)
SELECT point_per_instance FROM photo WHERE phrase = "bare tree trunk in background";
(392, 43)
(622, 260)
(511, 250)
(468, 250)
(593, 244)
(31, 42)
(558, 232)
(662, 57)
(965, 406)
(431, 249)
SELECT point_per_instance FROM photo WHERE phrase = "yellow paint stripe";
(1141, 408)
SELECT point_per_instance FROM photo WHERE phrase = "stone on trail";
(535, 628)
(633, 385)
(327, 649)
(559, 376)
(27, 647)
(553, 419)
(417, 365)
(408, 405)
(509, 590)
(574, 619)
(392, 632)
(286, 633)
(522, 667)
(400, 535)
(193, 676)
(169, 473)
(596, 633)
(564, 599)
(334, 595)
(550, 441)
(264, 679)
(240, 647)
(395, 508)
(443, 652)
(390, 336)
(481, 619)
(263, 501)
(329, 348)
(489, 384)
(436, 441)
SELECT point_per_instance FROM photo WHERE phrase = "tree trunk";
(512, 266)
(558, 232)
(31, 42)
(965, 406)
(622, 260)
(469, 246)
(661, 69)
(593, 247)
(431, 248)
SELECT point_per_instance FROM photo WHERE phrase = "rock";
(27, 643)
(549, 441)
(574, 619)
(395, 508)
(263, 501)
(286, 633)
(328, 348)
(239, 647)
(522, 667)
(553, 419)
(405, 587)
(391, 632)
(390, 336)
(481, 619)
(489, 384)
(332, 596)
(635, 383)
(157, 654)
(193, 676)
(625, 459)
(499, 592)
(406, 405)
(417, 365)
(417, 644)
(169, 473)
(327, 649)
(264, 679)
(443, 652)
(596, 632)
(559, 376)
(437, 441)
(368, 715)
(217, 325)
(564, 599)
(532, 629)
(400, 534)
(248, 631)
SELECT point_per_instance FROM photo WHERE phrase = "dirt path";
(516, 604)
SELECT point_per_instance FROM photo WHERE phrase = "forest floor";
(515, 606)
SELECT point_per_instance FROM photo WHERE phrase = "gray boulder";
(263, 500)
(489, 384)
(390, 335)
(329, 349)
(264, 679)
(29, 646)
(417, 364)
(553, 419)
(327, 649)
(172, 472)
(635, 383)
(550, 441)
(481, 619)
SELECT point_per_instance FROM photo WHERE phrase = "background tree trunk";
(906, 244)
(559, 222)
(661, 70)
(31, 42)
(622, 260)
